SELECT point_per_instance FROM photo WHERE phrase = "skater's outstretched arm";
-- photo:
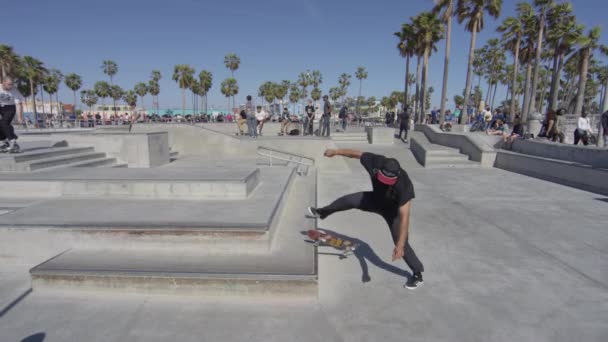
(404, 225)
(355, 154)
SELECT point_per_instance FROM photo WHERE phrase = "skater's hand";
(398, 252)
(330, 153)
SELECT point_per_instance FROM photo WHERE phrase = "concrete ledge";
(478, 148)
(562, 172)
(380, 135)
(588, 155)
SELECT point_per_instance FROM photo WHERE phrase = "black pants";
(403, 128)
(6, 128)
(365, 201)
(579, 135)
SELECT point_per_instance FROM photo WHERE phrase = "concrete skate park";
(191, 233)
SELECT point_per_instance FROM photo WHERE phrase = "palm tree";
(229, 88)
(265, 89)
(405, 47)
(155, 75)
(586, 45)
(542, 6)
(9, 61)
(304, 80)
(344, 82)
(430, 31)
(74, 82)
(89, 98)
(360, 74)
(195, 88)
(530, 27)
(473, 11)
(205, 78)
(315, 94)
(35, 72)
(604, 78)
(232, 62)
(183, 75)
(116, 94)
(512, 29)
(51, 85)
(110, 68)
(102, 90)
(141, 89)
(154, 90)
(562, 36)
(446, 7)
(281, 90)
(130, 98)
(294, 94)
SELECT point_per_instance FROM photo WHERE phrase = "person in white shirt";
(583, 130)
(11, 103)
(260, 116)
(487, 117)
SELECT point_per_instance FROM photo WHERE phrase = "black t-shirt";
(326, 109)
(396, 195)
(310, 111)
(404, 118)
(518, 129)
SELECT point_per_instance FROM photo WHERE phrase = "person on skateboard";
(391, 198)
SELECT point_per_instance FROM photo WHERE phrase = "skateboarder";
(391, 198)
(11, 104)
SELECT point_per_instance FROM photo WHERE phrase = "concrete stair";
(287, 266)
(435, 156)
(351, 138)
(36, 159)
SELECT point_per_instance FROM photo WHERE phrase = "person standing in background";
(251, 121)
(325, 129)
(309, 119)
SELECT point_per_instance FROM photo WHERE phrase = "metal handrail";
(302, 168)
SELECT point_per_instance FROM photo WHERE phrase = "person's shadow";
(39, 337)
(365, 253)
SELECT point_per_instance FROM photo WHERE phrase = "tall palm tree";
(229, 88)
(430, 31)
(74, 82)
(195, 89)
(265, 89)
(344, 82)
(334, 93)
(304, 80)
(562, 35)
(51, 85)
(141, 89)
(604, 51)
(542, 6)
(34, 71)
(405, 47)
(512, 30)
(205, 78)
(116, 94)
(9, 61)
(527, 51)
(232, 62)
(360, 74)
(294, 94)
(130, 98)
(281, 90)
(446, 8)
(156, 75)
(89, 98)
(110, 68)
(586, 46)
(473, 12)
(154, 89)
(102, 90)
(183, 75)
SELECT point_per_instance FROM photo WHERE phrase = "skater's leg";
(357, 200)
(410, 258)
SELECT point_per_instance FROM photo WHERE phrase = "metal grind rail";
(303, 163)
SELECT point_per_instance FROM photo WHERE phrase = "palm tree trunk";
(446, 63)
(489, 92)
(407, 73)
(424, 76)
(467, 89)
(51, 103)
(360, 85)
(184, 101)
(42, 100)
(34, 102)
(526, 105)
(580, 97)
(206, 108)
(417, 98)
(605, 98)
(554, 81)
(514, 82)
(76, 116)
(537, 60)
(494, 95)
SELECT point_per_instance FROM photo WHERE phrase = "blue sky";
(275, 39)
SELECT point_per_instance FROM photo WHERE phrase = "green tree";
(116, 94)
(334, 93)
(281, 90)
(155, 75)
(315, 94)
(304, 80)
(110, 68)
(9, 61)
(405, 46)
(542, 6)
(360, 74)
(294, 94)
(183, 74)
(74, 82)
(130, 98)
(458, 100)
(344, 82)
(102, 90)
(472, 11)
(586, 45)
(88, 98)
(232, 62)
(229, 88)
(512, 29)
(141, 89)
(154, 89)
(51, 85)
(205, 78)
(35, 72)
(445, 9)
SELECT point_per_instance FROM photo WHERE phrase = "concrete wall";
(380, 135)
(587, 155)
(478, 146)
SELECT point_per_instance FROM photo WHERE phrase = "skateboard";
(320, 238)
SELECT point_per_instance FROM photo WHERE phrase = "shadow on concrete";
(602, 199)
(38, 337)
(15, 302)
(365, 253)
